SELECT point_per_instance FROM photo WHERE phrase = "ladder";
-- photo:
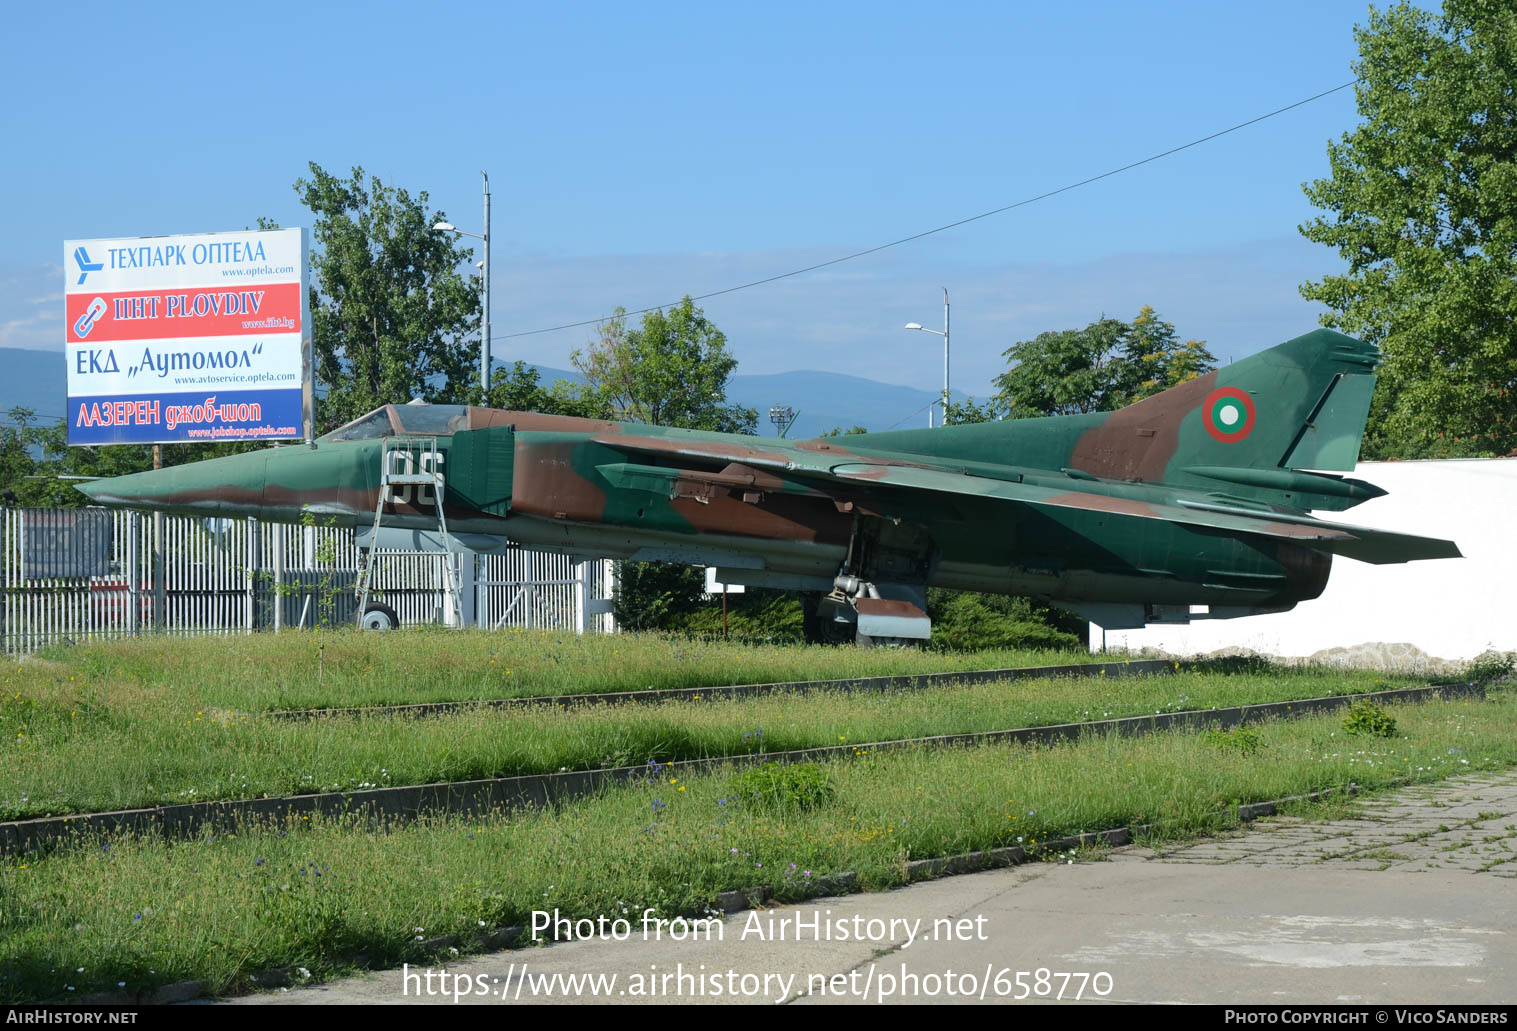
(411, 463)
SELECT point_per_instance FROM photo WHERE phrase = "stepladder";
(411, 475)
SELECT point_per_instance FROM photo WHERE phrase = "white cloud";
(1239, 299)
(31, 307)
(849, 318)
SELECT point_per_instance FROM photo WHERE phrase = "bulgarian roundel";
(1228, 414)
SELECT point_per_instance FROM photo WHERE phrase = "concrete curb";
(909, 682)
(504, 794)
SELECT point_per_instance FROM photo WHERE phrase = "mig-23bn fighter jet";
(1195, 498)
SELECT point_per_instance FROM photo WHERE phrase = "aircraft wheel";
(817, 626)
(811, 628)
(377, 616)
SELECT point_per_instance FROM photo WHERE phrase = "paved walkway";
(1467, 824)
(1410, 901)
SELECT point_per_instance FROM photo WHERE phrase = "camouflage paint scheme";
(1194, 497)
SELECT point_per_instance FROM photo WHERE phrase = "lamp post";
(944, 335)
(783, 417)
(484, 340)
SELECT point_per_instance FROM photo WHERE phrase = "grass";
(219, 909)
(314, 669)
(148, 744)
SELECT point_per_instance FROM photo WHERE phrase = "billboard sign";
(185, 339)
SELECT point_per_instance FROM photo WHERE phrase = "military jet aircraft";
(1189, 504)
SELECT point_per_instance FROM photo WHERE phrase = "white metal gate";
(185, 575)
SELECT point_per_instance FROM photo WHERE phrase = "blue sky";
(641, 152)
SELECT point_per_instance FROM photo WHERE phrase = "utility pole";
(155, 560)
(484, 345)
(945, 345)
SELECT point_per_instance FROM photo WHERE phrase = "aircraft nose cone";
(230, 486)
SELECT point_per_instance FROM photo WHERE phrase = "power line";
(913, 415)
(954, 225)
(8, 415)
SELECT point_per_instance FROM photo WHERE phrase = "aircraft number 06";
(401, 464)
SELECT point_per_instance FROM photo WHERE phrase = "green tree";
(1107, 365)
(37, 463)
(1064, 372)
(23, 446)
(968, 411)
(521, 390)
(656, 595)
(391, 317)
(670, 371)
(838, 431)
(1154, 359)
(1421, 202)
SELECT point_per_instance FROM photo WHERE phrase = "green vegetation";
(1370, 720)
(672, 370)
(391, 317)
(1418, 202)
(757, 615)
(1489, 668)
(1237, 739)
(222, 908)
(784, 788)
(153, 744)
(673, 599)
(659, 596)
(346, 668)
(964, 621)
(1105, 366)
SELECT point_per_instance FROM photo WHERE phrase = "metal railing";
(89, 574)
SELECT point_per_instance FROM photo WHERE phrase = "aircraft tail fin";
(1246, 429)
(1251, 424)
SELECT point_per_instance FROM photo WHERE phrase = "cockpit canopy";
(420, 420)
(423, 420)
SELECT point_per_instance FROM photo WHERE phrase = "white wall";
(1448, 609)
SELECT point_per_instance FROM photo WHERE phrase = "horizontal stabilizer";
(1381, 547)
(1359, 542)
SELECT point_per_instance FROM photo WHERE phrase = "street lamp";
(944, 335)
(484, 341)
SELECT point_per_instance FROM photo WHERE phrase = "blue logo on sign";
(86, 266)
(86, 322)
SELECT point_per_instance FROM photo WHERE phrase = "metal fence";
(79, 574)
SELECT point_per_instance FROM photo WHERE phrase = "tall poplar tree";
(391, 316)
(1421, 202)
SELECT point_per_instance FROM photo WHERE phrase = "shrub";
(1490, 667)
(1369, 719)
(1243, 740)
(964, 621)
(653, 595)
(757, 615)
(785, 786)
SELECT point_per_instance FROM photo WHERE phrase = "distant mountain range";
(32, 379)
(822, 400)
